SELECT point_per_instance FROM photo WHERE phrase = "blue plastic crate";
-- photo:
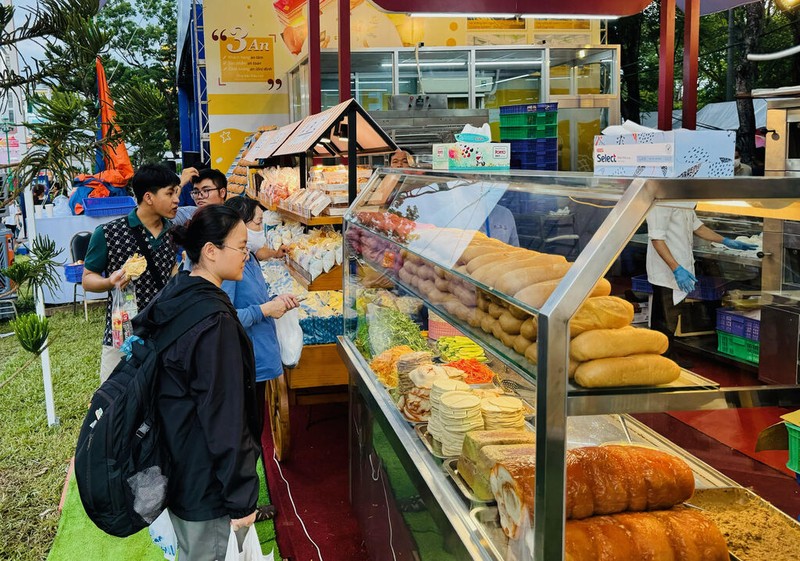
(539, 166)
(528, 132)
(521, 159)
(707, 288)
(108, 206)
(737, 324)
(528, 108)
(73, 273)
(534, 145)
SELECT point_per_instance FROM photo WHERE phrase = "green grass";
(33, 456)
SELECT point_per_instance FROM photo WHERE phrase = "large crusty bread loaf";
(601, 312)
(537, 294)
(532, 354)
(504, 279)
(513, 282)
(493, 257)
(625, 341)
(609, 479)
(635, 370)
(679, 534)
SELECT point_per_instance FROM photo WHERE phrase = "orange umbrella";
(115, 155)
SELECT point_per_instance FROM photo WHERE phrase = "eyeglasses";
(203, 193)
(245, 252)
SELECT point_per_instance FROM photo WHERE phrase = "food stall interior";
(447, 241)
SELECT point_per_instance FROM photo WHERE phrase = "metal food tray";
(487, 520)
(451, 468)
(422, 432)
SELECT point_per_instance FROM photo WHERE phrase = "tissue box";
(468, 155)
(681, 153)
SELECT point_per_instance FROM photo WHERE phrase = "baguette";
(521, 344)
(490, 258)
(509, 323)
(492, 276)
(635, 370)
(515, 281)
(532, 354)
(537, 294)
(625, 341)
(676, 535)
(509, 283)
(530, 328)
(601, 312)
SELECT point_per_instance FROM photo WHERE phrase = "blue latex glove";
(736, 244)
(685, 279)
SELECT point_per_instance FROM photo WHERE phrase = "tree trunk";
(627, 32)
(750, 30)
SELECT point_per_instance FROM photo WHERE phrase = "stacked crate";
(738, 334)
(532, 131)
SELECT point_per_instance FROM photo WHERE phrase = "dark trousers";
(664, 315)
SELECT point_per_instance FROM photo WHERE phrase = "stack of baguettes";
(606, 351)
(620, 506)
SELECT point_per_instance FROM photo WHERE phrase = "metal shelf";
(310, 221)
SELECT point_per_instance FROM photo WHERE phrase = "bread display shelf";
(309, 220)
(332, 280)
(602, 400)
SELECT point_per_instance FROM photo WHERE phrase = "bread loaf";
(601, 312)
(609, 479)
(490, 259)
(680, 534)
(530, 328)
(509, 323)
(537, 294)
(512, 481)
(532, 354)
(635, 370)
(521, 344)
(625, 341)
(501, 277)
(513, 282)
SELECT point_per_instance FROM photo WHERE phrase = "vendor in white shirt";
(671, 228)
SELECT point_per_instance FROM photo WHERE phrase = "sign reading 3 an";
(245, 58)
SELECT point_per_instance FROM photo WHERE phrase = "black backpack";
(120, 465)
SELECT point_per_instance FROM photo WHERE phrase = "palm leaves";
(32, 332)
(39, 272)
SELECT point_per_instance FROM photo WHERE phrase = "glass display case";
(538, 271)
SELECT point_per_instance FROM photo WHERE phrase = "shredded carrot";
(476, 372)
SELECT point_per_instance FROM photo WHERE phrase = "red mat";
(317, 472)
(738, 429)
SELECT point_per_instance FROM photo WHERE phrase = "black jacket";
(207, 403)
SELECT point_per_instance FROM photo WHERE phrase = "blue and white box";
(679, 153)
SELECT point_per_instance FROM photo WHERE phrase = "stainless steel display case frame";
(553, 402)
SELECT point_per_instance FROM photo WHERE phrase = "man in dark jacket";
(209, 416)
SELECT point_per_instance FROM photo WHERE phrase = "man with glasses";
(210, 187)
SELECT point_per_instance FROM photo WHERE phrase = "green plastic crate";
(738, 347)
(794, 447)
(529, 119)
(527, 132)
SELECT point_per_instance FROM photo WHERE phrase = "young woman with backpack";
(205, 394)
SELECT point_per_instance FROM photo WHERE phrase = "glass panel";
(508, 77)
(329, 79)
(299, 78)
(576, 131)
(371, 79)
(439, 72)
(582, 71)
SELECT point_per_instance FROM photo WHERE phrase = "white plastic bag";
(61, 206)
(163, 535)
(251, 548)
(290, 337)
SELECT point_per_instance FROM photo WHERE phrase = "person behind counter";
(205, 395)
(740, 169)
(670, 259)
(402, 159)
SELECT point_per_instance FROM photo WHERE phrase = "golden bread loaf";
(625, 341)
(635, 370)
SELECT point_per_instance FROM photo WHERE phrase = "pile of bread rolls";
(605, 350)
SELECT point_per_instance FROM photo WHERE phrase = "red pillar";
(666, 68)
(344, 50)
(314, 59)
(691, 41)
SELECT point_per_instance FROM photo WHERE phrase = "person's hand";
(736, 244)
(281, 252)
(187, 174)
(239, 523)
(290, 301)
(118, 279)
(685, 279)
(275, 308)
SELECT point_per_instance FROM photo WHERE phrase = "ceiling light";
(464, 15)
(509, 63)
(414, 64)
(568, 16)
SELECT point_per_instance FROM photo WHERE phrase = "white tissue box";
(680, 153)
(469, 155)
